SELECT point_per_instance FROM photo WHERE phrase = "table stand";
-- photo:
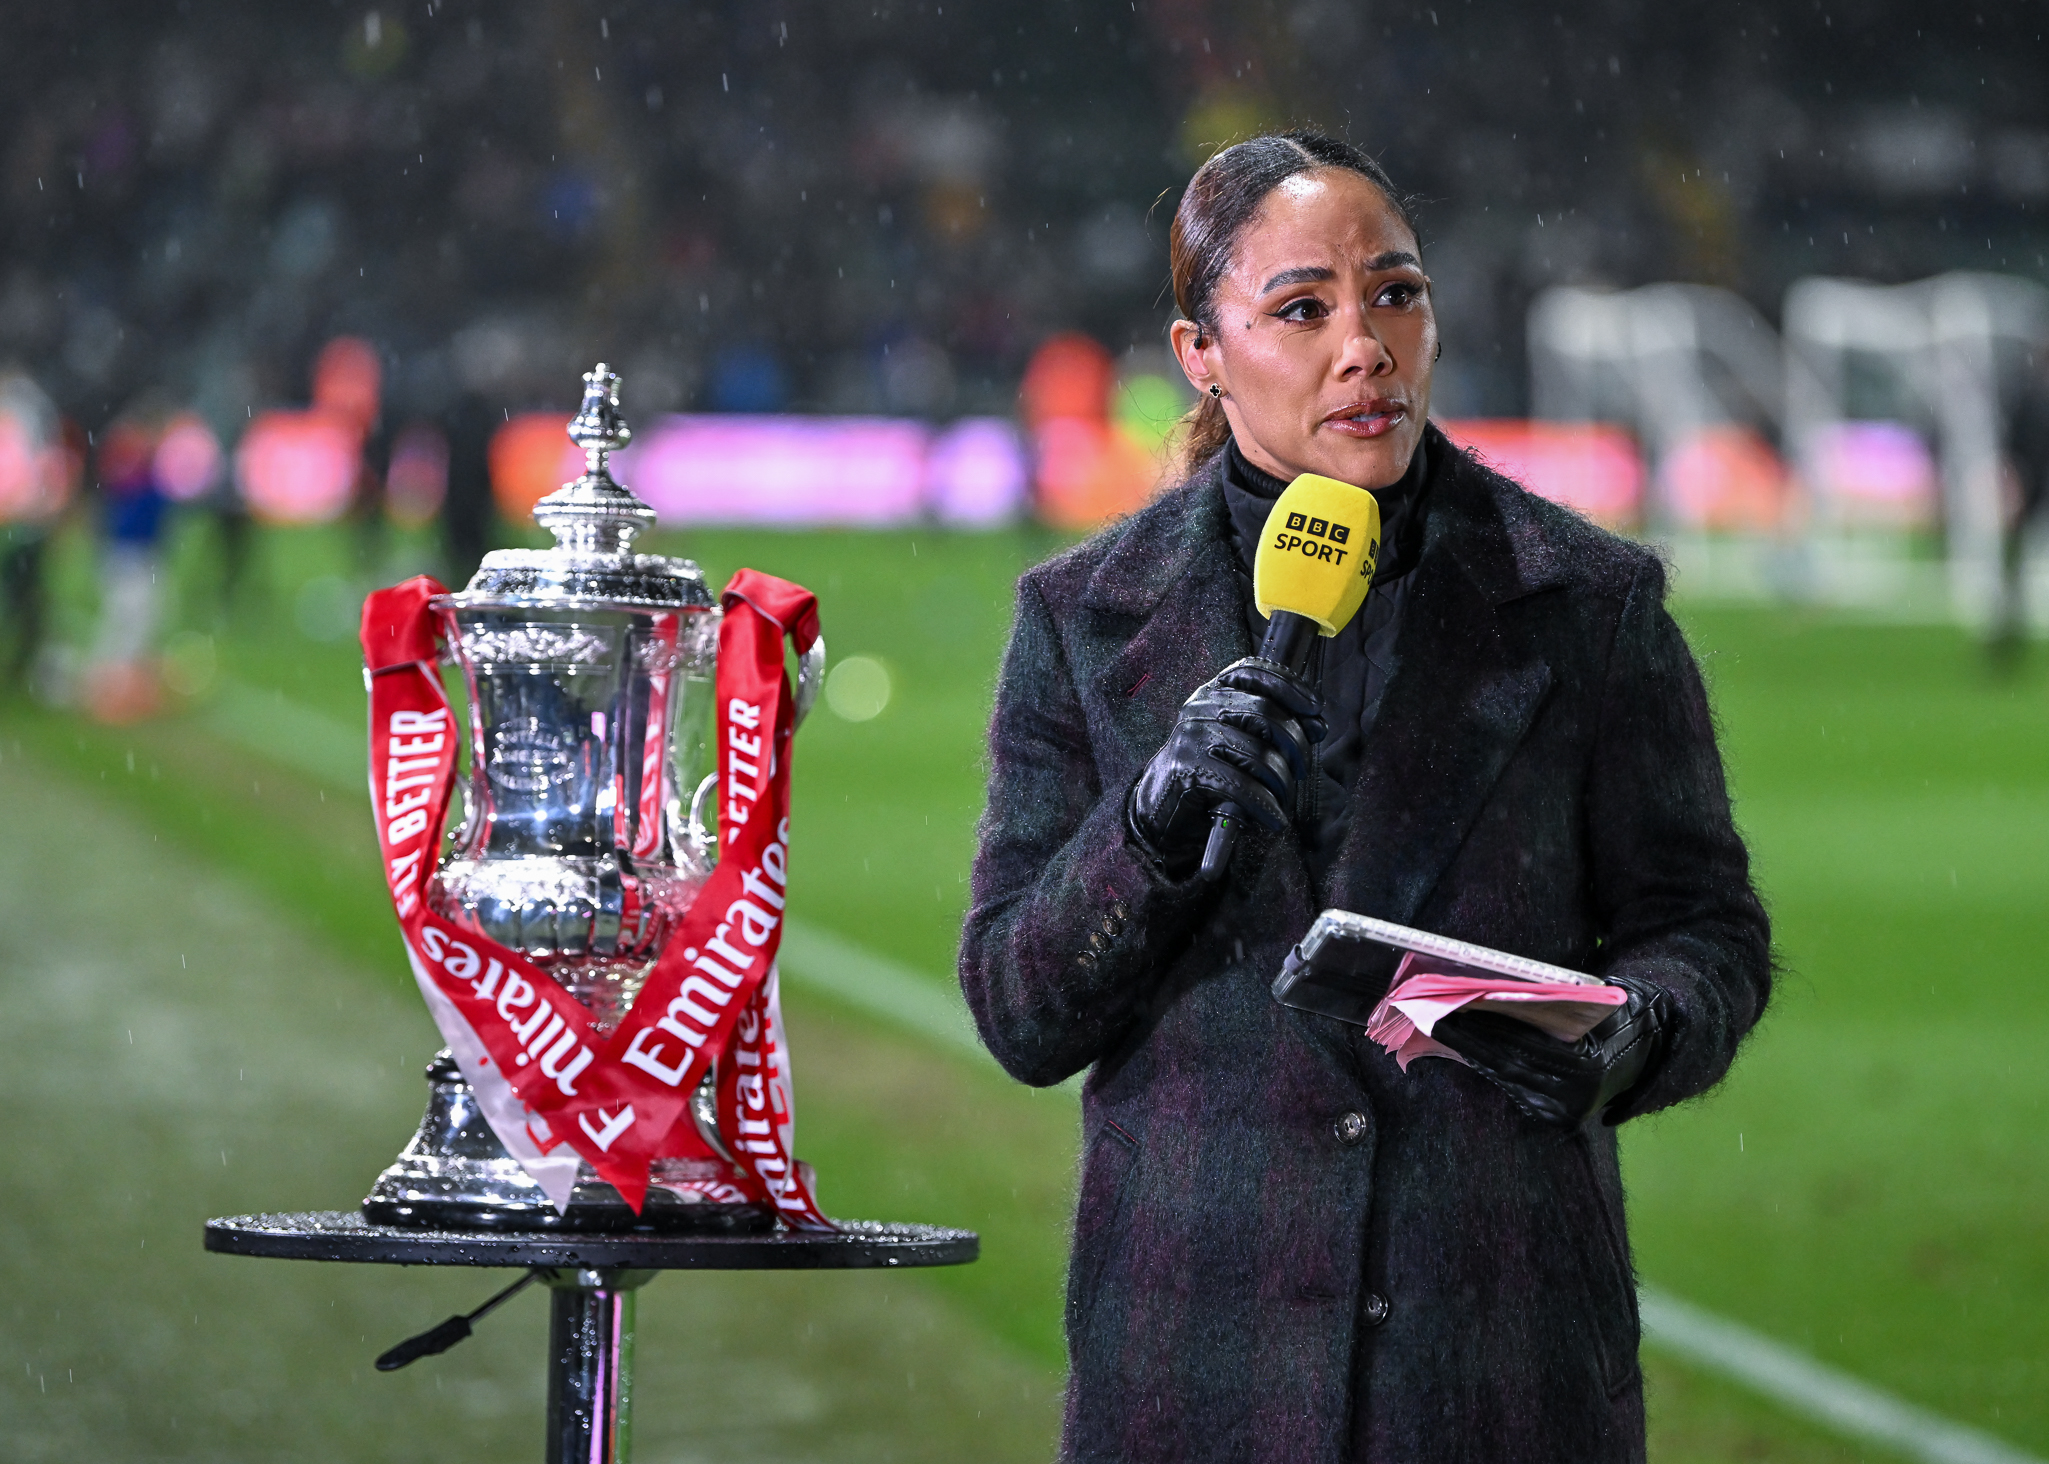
(592, 1280)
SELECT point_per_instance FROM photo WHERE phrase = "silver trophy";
(583, 838)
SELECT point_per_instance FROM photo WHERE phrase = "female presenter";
(1286, 1248)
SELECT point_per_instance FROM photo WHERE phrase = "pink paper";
(1426, 991)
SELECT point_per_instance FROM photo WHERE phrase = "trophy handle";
(705, 841)
(810, 678)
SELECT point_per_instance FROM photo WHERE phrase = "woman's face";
(1325, 334)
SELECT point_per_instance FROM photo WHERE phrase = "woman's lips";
(1365, 421)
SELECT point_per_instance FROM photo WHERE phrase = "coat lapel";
(1171, 572)
(1465, 691)
(1174, 573)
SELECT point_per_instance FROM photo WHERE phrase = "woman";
(1285, 1247)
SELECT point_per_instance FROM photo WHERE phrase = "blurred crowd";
(887, 208)
(330, 251)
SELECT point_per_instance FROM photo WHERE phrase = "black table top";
(344, 1235)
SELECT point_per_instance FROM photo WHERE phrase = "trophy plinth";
(590, 677)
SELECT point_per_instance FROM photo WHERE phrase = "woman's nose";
(1364, 353)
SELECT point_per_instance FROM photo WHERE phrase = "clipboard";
(1325, 973)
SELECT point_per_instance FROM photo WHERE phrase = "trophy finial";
(596, 514)
(598, 427)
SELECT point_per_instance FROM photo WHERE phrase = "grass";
(183, 1049)
(1870, 1183)
(1867, 1184)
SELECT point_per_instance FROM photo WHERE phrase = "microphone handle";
(1289, 639)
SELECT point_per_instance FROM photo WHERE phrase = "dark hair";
(1220, 200)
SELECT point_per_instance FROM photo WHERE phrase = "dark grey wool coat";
(1285, 1247)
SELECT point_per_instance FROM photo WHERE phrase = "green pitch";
(1866, 1186)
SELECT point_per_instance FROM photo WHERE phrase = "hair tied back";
(1218, 203)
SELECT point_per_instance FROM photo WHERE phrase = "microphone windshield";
(1318, 552)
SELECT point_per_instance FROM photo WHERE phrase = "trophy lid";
(594, 520)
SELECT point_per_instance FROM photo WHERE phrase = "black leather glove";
(1559, 1082)
(1244, 738)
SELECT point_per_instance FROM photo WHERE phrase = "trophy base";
(455, 1175)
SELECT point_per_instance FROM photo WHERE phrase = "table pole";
(592, 1279)
(590, 1364)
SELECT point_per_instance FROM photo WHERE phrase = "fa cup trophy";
(596, 936)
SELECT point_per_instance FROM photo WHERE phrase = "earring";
(1440, 352)
(1215, 390)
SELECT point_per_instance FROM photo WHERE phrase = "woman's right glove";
(1243, 737)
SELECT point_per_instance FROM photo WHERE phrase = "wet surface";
(344, 1235)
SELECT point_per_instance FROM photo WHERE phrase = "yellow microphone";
(1315, 563)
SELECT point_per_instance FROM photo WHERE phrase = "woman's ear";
(1193, 350)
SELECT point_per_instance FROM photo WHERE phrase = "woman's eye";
(1304, 309)
(1400, 293)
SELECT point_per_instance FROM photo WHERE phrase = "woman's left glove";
(1567, 1083)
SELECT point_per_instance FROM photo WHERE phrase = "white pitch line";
(326, 748)
(291, 733)
(879, 986)
(1813, 1389)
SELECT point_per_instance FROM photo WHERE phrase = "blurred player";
(36, 478)
(2028, 452)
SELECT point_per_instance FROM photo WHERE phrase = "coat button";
(1349, 1128)
(1373, 1308)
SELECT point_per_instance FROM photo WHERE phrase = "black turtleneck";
(1352, 667)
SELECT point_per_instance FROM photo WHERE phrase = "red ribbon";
(620, 1100)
